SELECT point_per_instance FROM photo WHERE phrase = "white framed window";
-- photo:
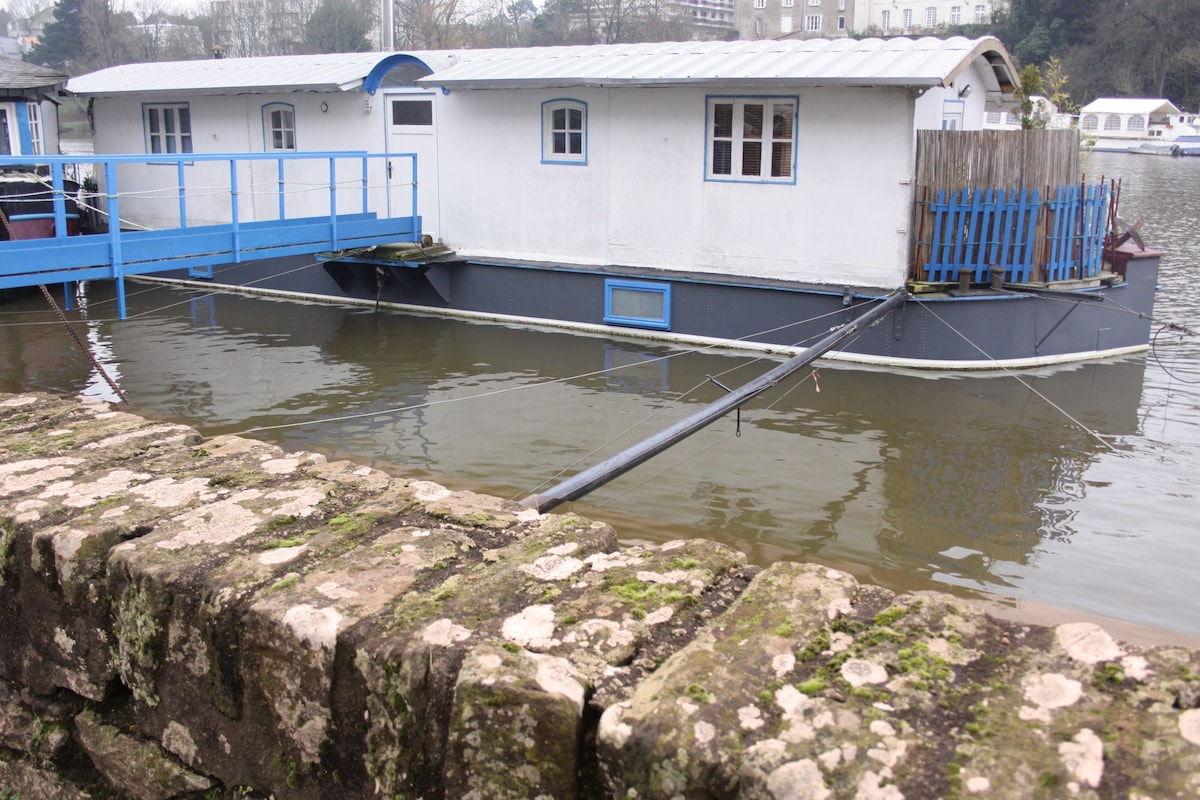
(168, 127)
(752, 139)
(955, 15)
(564, 132)
(885, 21)
(785, 23)
(760, 4)
(1136, 123)
(814, 2)
(758, 25)
(841, 5)
(931, 17)
(812, 23)
(788, 3)
(279, 126)
(841, 23)
(34, 110)
(981, 14)
(1090, 122)
(1112, 122)
(907, 16)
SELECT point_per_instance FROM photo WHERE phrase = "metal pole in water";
(594, 477)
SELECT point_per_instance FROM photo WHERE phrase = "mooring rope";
(929, 307)
(1183, 330)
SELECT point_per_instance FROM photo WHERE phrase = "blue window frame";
(564, 132)
(637, 304)
(751, 139)
(168, 127)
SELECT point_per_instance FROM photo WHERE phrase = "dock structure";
(56, 231)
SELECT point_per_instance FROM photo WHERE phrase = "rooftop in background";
(1130, 105)
(25, 77)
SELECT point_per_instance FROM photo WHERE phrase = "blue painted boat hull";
(980, 330)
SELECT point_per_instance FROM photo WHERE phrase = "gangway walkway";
(219, 208)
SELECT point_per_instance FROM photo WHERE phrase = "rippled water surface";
(1074, 488)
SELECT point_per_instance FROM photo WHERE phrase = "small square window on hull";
(637, 304)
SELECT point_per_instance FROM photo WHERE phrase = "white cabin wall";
(498, 199)
(234, 125)
(930, 106)
(838, 223)
(643, 200)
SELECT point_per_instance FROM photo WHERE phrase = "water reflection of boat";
(955, 479)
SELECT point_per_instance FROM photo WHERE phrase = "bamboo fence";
(997, 162)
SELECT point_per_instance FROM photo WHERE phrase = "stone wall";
(220, 619)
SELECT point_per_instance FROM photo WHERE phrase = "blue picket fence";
(1030, 238)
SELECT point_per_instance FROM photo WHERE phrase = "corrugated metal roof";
(1130, 105)
(831, 62)
(21, 75)
(917, 63)
(322, 73)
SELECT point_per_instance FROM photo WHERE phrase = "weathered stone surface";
(137, 768)
(516, 726)
(37, 726)
(242, 621)
(685, 727)
(25, 780)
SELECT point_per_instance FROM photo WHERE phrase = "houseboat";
(756, 193)
(1151, 126)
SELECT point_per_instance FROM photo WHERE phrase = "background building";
(824, 19)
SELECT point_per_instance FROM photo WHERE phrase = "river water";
(1074, 488)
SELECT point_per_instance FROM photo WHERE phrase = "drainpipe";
(594, 477)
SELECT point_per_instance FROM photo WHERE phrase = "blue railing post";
(60, 203)
(366, 204)
(282, 193)
(112, 193)
(233, 193)
(180, 182)
(413, 208)
(333, 231)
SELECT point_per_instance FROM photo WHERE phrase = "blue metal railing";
(333, 222)
(1030, 238)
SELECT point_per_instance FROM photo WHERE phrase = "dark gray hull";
(983, 329)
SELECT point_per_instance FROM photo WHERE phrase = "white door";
(411, 128)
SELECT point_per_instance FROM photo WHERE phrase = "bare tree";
(1172, 27)
(434, 24)
(107, 35)
(260, 27)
